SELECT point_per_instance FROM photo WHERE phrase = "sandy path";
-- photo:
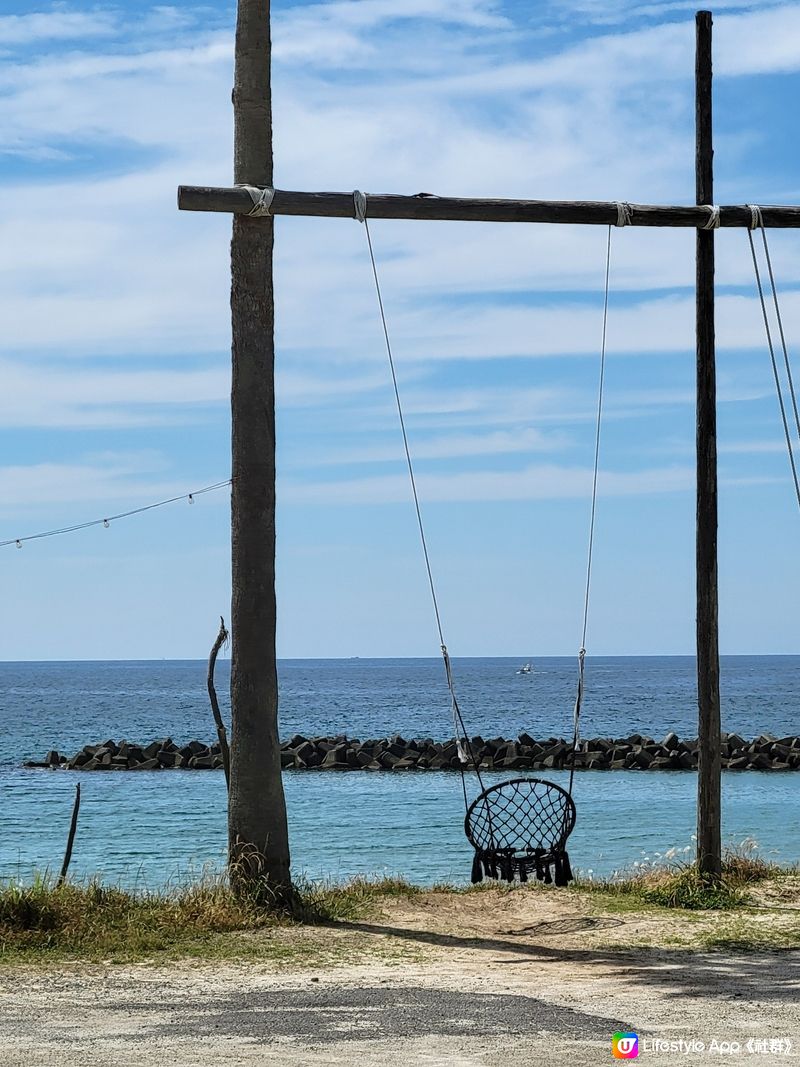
(487, 980)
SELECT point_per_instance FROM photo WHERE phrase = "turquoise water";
(153, 827)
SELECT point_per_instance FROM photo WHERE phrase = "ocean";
(149, 828)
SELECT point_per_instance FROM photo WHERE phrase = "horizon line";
(398, 659)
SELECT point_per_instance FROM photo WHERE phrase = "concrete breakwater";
(525, 753)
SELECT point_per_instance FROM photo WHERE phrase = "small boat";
(526, 668)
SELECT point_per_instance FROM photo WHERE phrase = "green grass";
(91, 921)
(44, 922)
(681, 886)
(739, 935)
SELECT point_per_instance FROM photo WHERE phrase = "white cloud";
(104, 266)
(619, 12)
(115, 307)
(49, 395)
(369, 15)
(115, 268)
(487, 331)
(539, 482)
(52, 484)
(758, 42)
(455, 445)
(55, 25)
(751, 448)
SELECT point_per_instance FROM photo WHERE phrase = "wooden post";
(709, 845)
(73, 826)
(258, 835)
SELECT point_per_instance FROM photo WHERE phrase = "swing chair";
(518, 828)
(521, 827)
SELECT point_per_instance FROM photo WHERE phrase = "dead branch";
(222, 639)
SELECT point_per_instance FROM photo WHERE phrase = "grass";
(682, 888)
(680, 885)
(45, 922)
(95, 922)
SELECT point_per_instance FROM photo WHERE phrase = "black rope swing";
(518, 828)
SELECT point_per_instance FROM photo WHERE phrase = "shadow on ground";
(772, 976)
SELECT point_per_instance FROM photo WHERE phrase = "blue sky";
(115, 346)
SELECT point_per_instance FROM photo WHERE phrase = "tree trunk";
(258, 836)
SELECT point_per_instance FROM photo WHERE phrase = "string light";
(18, 541)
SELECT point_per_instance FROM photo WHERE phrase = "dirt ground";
(493, 978)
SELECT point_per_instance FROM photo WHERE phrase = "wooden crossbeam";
(237, 201)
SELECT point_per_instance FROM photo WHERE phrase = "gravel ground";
(126, 1020)
(484, 980)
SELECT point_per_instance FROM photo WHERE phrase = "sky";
(115, 363)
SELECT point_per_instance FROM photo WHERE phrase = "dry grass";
(45, 922)
(88, 920)
(680, 885)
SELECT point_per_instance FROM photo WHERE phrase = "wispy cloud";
(116, 273)
(58, 396)
(455, 446)
(624, 12)
(115, 306)
(539, 482)
(45, 486)
(58, 24)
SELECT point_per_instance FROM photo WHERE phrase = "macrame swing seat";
(519, 829)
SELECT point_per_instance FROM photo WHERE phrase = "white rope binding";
(359, 205)
(624, 214)
(756, 218)
(262, 200)
(713, 217)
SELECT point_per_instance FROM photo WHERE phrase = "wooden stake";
(73, 826)
(709, 846)
(257, 832)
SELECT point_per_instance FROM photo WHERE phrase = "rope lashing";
(262, 200)
(713, 217)
(359, 205)
(458, 722)
(757, 222)
(624, 214)
(579, 692)
(756, 218)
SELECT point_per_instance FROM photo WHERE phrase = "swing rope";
(463, 745)
(524, 827)
(757, 222)
(593, 514)
(492, 855)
